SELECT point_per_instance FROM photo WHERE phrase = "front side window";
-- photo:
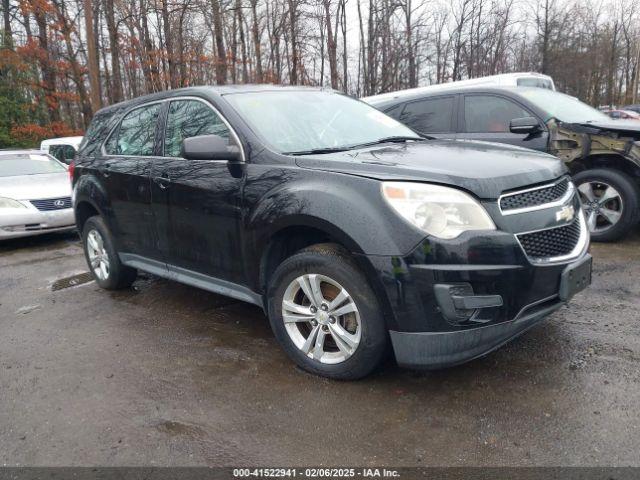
(294, 121)
(490, 114)
(190, 118)
(136, 133)
(429, 116)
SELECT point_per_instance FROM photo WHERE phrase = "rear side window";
(136, 133)
(534, 82)
(190, 118)
(429, 116)
(490, 114)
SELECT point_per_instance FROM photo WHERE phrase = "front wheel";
(610, 202)
(325, 315)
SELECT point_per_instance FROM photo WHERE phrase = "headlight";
(10, 203)
(439, 211)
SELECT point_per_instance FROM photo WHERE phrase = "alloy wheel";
(321, 318)
(602, 205)
(98, 256)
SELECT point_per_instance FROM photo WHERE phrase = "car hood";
(485, 169)
(35, 187)
(616, 125)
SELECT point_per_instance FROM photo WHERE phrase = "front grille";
(534, 198)
(554, 242)
(52, 203)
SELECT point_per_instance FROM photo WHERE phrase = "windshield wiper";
(319, 151)
(396, 139)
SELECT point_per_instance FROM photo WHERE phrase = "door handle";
(105, 169)
(163, 181)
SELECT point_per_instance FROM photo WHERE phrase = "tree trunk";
(116, 75)
(221, 63)
(48, 72)
(331, 46)
(92, 57)
(256, 42)
(293, 14)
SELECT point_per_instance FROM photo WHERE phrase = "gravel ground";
(165, 374)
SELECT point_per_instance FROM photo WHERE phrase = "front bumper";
(15, 223)
(505, 293)
(435, 350)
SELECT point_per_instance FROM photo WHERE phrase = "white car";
(35, 194)
(517, 79)
(63, 148)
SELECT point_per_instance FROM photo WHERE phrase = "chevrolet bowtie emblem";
(566, 213)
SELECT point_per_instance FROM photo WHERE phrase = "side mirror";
(210, 147)
(526, 125)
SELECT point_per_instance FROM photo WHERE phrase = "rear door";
(488, 117)
(197, 202)
(434, 116)
(125, 167)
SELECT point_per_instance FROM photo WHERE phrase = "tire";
(334, 268)
(115, 276)
(593, 183)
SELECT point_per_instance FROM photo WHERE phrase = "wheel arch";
(613, 161)
(291, 238)
(84, 210)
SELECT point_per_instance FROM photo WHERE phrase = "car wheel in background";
(610, 202)
(102, 258)
(325, 315)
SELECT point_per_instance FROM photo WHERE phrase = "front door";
(197, 202)
(488, 118)
(125, 168)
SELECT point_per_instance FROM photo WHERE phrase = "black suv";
(347, 228)
(603, 155)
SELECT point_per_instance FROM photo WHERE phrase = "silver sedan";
(35, 194)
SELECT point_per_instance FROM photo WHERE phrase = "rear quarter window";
(101, 125)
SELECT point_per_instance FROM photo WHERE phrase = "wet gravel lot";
(165, 374)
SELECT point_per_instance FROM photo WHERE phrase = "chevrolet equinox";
(351, 231)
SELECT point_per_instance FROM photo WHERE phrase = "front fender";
(576, 142)
(348, 208)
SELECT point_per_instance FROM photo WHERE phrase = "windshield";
(28, 164)
(300, 121)
(563, 107)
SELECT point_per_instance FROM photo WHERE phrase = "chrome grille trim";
(48, 204)
(560, 201)
(580, 247)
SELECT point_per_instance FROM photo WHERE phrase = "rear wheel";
(610, 202)
(102, 257)
(325, 315)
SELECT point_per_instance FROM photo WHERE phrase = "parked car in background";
(617, 114)
(35, 194)
(63, 148)
(520, 79)
(343, 224)
(633, 108)
(603, 155)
